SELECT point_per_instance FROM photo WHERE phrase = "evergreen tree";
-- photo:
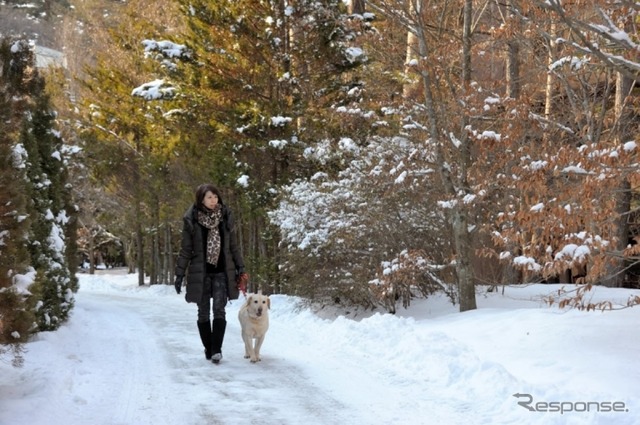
(137, 132)
(39, 158)
(266, 79)
(54, 285)
(15, 319)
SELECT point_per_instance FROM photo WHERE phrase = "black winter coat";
(192, 258)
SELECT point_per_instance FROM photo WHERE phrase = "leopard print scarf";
(211, 220)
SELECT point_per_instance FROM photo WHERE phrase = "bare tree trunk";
(549, 92)
(130, 255)
(452, 184)
(461, 234)
(513, 56)
(154, 273)
(154, 267)
(167, 264)
(510, 273)
(139, 249)
(513, 69)
(254, 240)
(92, 252)
(138, 224)
(412, 49)
(615, 277)
(357, 7)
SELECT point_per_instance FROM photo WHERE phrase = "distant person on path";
(212, 263)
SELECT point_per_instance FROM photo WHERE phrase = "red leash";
(242, 281)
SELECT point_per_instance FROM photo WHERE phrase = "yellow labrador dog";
(254, 322)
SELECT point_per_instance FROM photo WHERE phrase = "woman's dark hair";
(203, 189)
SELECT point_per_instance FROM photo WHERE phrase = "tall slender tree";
(16, 319)
(39, 153)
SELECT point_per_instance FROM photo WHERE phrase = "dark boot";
(205, 336)
(217, 336)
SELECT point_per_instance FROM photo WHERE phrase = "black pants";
(215, 286)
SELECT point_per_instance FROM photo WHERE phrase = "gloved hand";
(241, 282)
(178, 283)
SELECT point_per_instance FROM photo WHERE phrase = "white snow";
(19, 156)
(278, 144)
(132, 355)
(21, 282)
(573, 251)
(537, 207)
(167, 48)
(154, 90)
(354, 54)
(280, 121)
(527, 262)
(243, 180)
(490, 135)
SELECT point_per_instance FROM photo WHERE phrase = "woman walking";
(213, 265)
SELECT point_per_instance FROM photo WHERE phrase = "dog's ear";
(268, 303)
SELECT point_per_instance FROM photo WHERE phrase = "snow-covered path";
(132, 360)
(131, 355)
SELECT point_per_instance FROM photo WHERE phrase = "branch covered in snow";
(155, 90)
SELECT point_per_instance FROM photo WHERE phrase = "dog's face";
(258, 304)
